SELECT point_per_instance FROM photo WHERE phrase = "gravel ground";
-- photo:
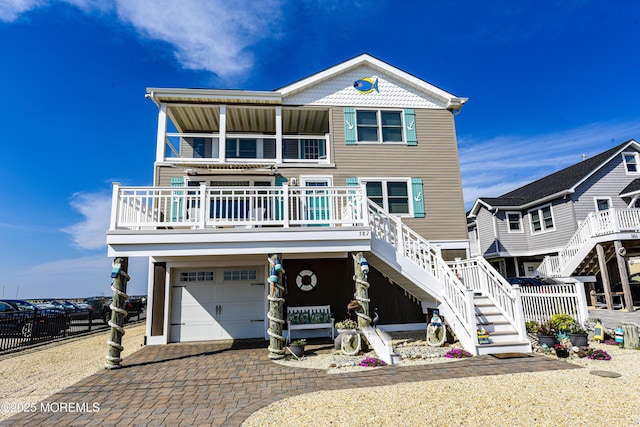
(33, 375)
(557, 398)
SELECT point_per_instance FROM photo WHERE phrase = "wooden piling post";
(119, 278)
(361, 270)
(276, 307)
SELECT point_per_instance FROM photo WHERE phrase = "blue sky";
(546, 81)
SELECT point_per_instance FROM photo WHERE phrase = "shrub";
(372, 362)
(598, 355)
(532, 326)
(561, 322)
(457, 353)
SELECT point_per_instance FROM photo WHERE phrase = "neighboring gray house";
(581, 217)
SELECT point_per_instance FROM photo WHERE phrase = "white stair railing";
(595, 224)
(415, 248)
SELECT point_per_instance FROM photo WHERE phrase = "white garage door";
(217, 304)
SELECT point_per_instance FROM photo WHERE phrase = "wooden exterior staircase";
(469, 294)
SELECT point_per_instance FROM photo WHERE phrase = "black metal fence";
(29, 328)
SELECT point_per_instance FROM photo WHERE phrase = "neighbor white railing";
(539, 303)
(200, 207)
(595, 224)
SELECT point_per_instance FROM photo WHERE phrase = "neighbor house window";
(541, 219)
(515, 222)
(392, 196)
(631, 162)
(602, 204)
(379, 126)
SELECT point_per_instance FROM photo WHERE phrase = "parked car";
(27, 319)
(526, 281)
(74, 311)
(133, 306)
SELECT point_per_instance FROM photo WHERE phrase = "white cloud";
(498, 165)
(90, 233)
(11, 9)
(213, 35)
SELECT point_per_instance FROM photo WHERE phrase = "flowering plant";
(611, 341)
(599, 355)
(560, 346)
(299, 342)
(347, 324)
(372, 362)
(457, 353)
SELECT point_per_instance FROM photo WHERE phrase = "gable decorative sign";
(366, 85)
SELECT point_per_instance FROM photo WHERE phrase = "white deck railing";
(539, 303)
(595, 224)
(138, 208)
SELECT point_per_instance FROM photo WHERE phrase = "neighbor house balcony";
(223, 220)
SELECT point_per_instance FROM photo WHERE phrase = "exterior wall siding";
(608, 181)
(434, 159)
(565, 227)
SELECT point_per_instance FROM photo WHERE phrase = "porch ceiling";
(193, 117)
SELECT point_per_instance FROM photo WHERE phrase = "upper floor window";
(379, 126)
(514, 220)
(393, 196)
(631, 162)
(602, 203)
(541, 219)
(250, 148)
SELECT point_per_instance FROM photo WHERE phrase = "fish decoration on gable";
(366, 85)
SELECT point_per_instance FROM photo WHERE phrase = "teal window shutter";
(279, 214)
(352, 181)
(176, 199)
(410, 126)
(417, 195)
(350, 125)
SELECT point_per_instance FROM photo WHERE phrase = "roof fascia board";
(453, 101)
(617, 153)
(476, 208)
(213, 94)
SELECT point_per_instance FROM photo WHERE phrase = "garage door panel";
(212, 310)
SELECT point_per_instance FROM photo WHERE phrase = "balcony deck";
(153, 221)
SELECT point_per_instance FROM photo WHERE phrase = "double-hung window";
(514, 219)
(631, 162)
(541, 219)
(382, 126)
(393, 196)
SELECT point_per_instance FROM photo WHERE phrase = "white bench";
(309, 317)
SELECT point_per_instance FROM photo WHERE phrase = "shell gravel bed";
(30, 376)
(555, 398)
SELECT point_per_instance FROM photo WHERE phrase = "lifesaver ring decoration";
(306, 280)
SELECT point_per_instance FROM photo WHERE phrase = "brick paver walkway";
(222, 384)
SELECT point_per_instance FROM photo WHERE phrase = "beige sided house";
(360, 157)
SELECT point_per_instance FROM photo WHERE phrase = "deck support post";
(361, 271)
(119, 279)
(604, 272)
(276, 303)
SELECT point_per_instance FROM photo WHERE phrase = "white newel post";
(364, 204)
(285, 204)
(203, 212)
(471, 314)
(583, 311)
(399, 237)
(519, 312)
(114, 206)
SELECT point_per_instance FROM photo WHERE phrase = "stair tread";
(503, 344)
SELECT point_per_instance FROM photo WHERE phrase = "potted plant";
(578, 336)
(562, 324)
(546, 334)
(561, 350)
(297, 348)
(346, 325)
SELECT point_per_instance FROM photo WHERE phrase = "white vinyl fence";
(539, 303)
